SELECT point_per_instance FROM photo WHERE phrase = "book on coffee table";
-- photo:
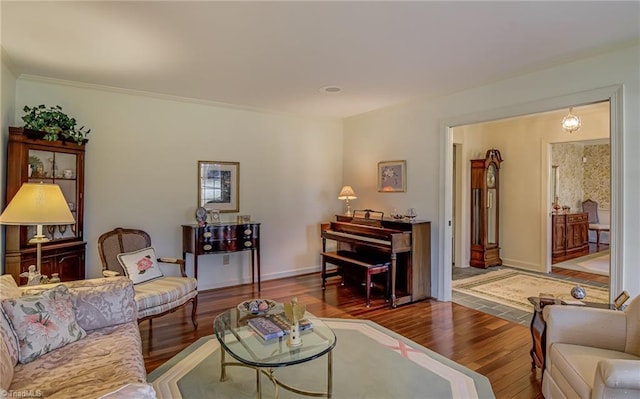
(265, 328)
(280, 319)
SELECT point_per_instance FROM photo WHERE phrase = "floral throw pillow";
(42, 322)
(140, 265)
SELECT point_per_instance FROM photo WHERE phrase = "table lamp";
(37, 204)
(347, 194)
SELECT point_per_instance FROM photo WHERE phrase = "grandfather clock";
(485, 210)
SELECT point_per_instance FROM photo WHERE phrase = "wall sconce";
(571, 123)
(347, 194)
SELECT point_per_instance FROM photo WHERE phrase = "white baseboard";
(518, 264)
(203, 286)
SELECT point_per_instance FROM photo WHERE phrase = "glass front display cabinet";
(30, 158)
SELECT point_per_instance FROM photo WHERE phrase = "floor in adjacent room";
(567, 270)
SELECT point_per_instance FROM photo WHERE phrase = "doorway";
(581, 177)
(612, 94)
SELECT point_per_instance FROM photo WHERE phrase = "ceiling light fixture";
(330, 89)
(571, 123)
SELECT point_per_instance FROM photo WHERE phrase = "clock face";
(491, 176)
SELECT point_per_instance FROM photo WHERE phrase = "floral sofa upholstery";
(104, 360)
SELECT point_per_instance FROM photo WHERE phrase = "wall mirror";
(219, 186)
(555, 183)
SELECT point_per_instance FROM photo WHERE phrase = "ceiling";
(277, 55)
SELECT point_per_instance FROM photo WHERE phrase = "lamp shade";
(37, 204)
(347, 193)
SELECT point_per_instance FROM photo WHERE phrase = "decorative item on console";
(578, 292)
(411, 214)
(214, 215)
(241, 219)
(201, 216)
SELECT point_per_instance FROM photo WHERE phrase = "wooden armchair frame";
(591, 207)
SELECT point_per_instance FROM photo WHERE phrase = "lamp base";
(348, 212)
(38, 239)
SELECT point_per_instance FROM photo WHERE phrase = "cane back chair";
(159, 296)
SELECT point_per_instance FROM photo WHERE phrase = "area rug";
(369, 361)
(596, 263)
(513, 287)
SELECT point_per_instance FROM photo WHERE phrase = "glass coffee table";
(265, 356)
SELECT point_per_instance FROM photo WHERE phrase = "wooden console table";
(220, 238)
(570, 236)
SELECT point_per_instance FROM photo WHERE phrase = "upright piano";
(401, 245)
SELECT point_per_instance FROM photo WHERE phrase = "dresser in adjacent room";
(569, 236)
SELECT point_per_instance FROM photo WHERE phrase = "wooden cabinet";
(219, 238)
(32, 159)
(569, 236)
(485, 210)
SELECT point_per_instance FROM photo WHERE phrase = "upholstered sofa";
(592, 353)
(102, 359)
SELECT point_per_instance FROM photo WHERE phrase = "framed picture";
(621, 299)
(219, 186)
(392, 176)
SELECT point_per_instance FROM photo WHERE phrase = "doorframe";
(442, 280)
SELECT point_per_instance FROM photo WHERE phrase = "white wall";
(141, 168)
(7, 111)
(417, 132)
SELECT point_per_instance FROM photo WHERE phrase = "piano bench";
(349, 259)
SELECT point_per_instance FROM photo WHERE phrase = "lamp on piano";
(347, 194)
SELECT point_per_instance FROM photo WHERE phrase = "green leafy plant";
(54, 123)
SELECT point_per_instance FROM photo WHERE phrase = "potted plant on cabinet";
(54, 123)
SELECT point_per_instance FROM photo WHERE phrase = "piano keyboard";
(359, 237)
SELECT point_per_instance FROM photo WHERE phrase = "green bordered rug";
(369, 361)
(512, 288)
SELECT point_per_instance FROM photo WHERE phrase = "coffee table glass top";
(246, 346)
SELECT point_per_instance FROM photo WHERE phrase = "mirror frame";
(555, 184)
(214, 170)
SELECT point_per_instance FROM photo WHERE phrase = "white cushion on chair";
(160, 295)
(140, 266)
(596, 226)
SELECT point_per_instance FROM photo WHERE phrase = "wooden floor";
(489, 345)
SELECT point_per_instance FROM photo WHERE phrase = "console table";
(220, 238)
(570, 236)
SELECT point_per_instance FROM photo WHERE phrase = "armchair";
(591, 207)
(592, 353)
(156, 297)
